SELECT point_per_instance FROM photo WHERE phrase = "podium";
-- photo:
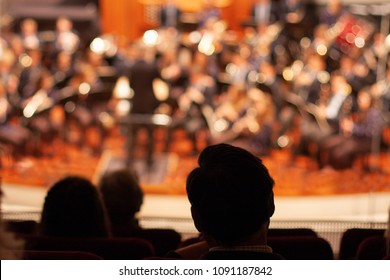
(132, 123)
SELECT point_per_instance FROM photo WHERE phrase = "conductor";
(141, 75)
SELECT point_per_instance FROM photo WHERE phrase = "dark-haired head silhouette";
(231, 196)
(123, 198)
(73, 208)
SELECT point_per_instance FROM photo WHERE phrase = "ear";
(197, 220)
(271, 206)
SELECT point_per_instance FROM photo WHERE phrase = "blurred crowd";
(312, 77)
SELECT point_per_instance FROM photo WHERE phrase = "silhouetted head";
(73, 208)
(122, 196)
(231, 194)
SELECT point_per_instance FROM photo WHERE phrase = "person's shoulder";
(240, 255)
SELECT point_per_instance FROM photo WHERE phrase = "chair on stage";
(106, 248)
(372, 248)
(301, 247)
(351, 239)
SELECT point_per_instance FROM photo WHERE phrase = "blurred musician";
(381, 92)
(270, 83)
(296, 22)
(63, 69)
(30, 75)
(356, 72)
(356, 137)
(175, 70)
(323, 120)
(375, 51)
(11, 131)
(169, 14)
(306, 88)
(264, 43)
(243, 118)
(332, 12)
(37, 114)
(293, 10)
(197, 97)
(265, 12)
(66, 38)
(239, 66)
(29, 34)
(254, 128)
(209, 14)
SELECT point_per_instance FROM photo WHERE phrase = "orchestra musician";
(209, 14)
(322, 120)
(265, 12)
(66, 37)
(253, 127)
(306, 90)
(11, 131)
(332, 12)
(29, 34)
(356, 136)
(293, 10)
(198, 95)
(31, 73)
(37, 114)
(169, 15)
(297, 20)
(175, 70)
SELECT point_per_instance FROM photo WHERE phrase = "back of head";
(231, 194)
(122, 196)
(73, 208)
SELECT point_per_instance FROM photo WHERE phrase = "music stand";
(151, 120)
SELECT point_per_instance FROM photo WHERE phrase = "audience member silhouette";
(232, 200)
(73, 208)
(123, 198)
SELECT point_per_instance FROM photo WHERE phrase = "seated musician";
(321, 120)
(254, 130)
(244, 119)
(37, 111)
(169, 15)
(191, 104)
(265, 12)
(356, 137)
(11, 132)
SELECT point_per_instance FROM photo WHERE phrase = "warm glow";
(288, 74)
(98, 46)
(122, 89)
(387, 42)
(150, 38)
(84, 88)
(360, 42)
(322, 49)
